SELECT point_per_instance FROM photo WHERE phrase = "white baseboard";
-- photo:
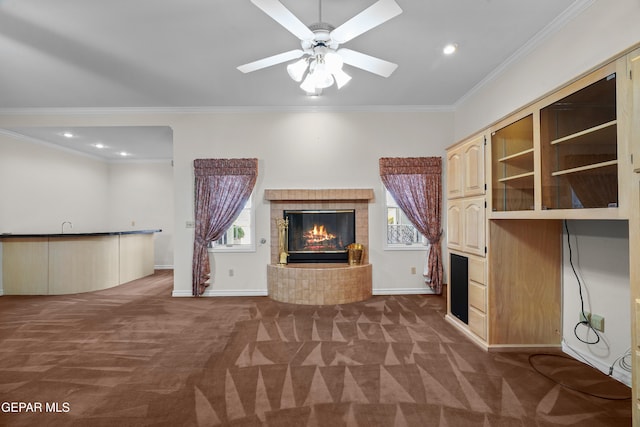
(225, 293)
(618, 373)
(264, 292)
(403, 291)
(163, 267)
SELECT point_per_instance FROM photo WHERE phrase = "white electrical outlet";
(191, 224)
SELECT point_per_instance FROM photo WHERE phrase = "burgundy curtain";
(416, 185)
(222, 187)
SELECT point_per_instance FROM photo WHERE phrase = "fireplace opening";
(320, 235)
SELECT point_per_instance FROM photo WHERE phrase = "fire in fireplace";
(320, 235)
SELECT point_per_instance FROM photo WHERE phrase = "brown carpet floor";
(135, 356)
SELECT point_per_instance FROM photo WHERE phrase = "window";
(401, 234)
(240, 236)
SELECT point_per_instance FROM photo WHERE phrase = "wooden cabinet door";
(634, 222)
(473, 226)
(473, 163)
(634, 69)
(454, 174)
(454, 224)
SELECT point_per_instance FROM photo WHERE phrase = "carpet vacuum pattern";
(135, 356)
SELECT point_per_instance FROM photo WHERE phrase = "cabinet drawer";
(478, 323)
(478, 297)
(476, 270)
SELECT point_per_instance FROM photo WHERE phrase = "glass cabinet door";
(512, 166)
(578, 138)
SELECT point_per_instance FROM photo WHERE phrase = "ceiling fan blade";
(368, 63)
(284, 17)
(374, 15)
(271, 60)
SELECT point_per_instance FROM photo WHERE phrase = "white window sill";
(232, 249)
(417, 247)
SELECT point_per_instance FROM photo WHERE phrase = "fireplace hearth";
(320, 282)
(320, 236)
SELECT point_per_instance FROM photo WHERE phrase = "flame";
(318, 234)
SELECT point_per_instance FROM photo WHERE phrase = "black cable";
(531, 356)
(587, 321)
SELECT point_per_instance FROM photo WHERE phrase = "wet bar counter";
(56, 264)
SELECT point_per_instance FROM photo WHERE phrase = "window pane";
(400, 231)
(240, 232)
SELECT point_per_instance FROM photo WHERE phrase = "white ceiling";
(183, 54)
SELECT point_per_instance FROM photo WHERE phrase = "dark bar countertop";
(105, 233)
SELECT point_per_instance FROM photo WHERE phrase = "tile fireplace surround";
(319, 283)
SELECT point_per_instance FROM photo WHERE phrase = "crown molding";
(227, 109)
(553, 27)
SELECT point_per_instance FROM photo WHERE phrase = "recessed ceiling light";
(450, 48)
(123, 153)
(98, 145)
(67, 135)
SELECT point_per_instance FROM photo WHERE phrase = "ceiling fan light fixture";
(297, 69)
(321, 60)
(321, 75)
(309, 84)
(333, 62)
(341, 78)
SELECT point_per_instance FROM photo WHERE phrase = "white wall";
(43, 186)
(600, 254)
(140, 197)
(302, 150)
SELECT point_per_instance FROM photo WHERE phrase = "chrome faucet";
(66, 222)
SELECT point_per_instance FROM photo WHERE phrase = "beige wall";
(295, 150)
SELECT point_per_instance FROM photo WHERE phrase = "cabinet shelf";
(516, 177)
(517, 156)
(579, 146)
(585, 168)
(576, 137)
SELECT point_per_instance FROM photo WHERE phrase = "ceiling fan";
(320, 59)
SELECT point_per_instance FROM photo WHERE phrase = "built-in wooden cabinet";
(466, 207)
(466, 231)
(579, 145)
(566, 156)
(512, 166)
(572, 154)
